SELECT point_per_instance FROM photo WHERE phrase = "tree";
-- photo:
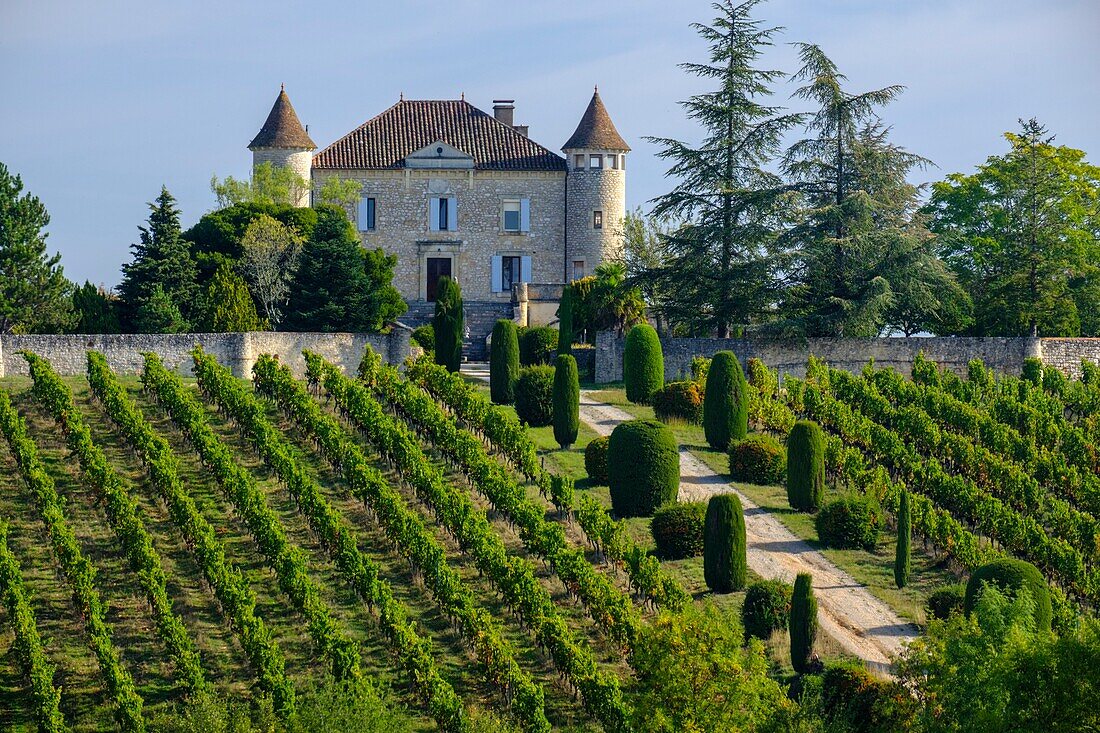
(158, 313)
(342, 192)
(567, 396)
(565, 321)
(803, 623)
(725, 401)
(504, 362)
(230, 307)
(903, 553)
(269, 258)
(34, 294)
(448, 324)
(643, 252)
(725, 566)
(606, 301)
(96, 310)
(270, 184)
(1023, 236)
(161, 260)
(805, 466)
(718, 269)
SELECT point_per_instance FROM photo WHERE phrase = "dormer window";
(595, 162)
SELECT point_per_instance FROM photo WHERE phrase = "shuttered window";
(508, 270)
(443, 214)
(516, 215)
(366, 214)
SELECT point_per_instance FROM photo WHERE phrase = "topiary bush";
(448, 324)
(424, 337)
(504, 363)
(805, 466)
(725, 567)
(595, 460)
(678, 530)
(643, 364)
(903, 553)
(766, 608)
(567, 400)
(945, 601)
(758, 459)
(1010, 575)
(643, 467)
(535, 396)
(802, 623)
(537, 345)
(679, 401)
(726, 407)
(850, 522)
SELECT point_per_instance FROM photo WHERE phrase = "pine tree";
(504, 362)
(725, 564)
(230, 305)
(803, 623)
(159, 314)
(567, 398)
(95, 311)
(903, 554)
(448, 324)
(565, 321)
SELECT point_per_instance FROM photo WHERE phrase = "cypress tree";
(725, 402)
(725, 567)
(643, 364)
(567, 401)
(504, 362)
(230, 304)
(565, 321)
(643, 467)
(803, 622)
(448, 324)
(903, 556)
(806, 466)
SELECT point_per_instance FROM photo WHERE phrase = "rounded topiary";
(565, 321)
(726, 405)
(643, 364)
(766, 608)
(806, 466)
(448, 324)
(681, 401)
(537, 345)
(1010, 575)
(678, 530)
(758, 459)
(424, 337)
(725, 567)
(504, 363)
(903, 554)
(850, 522)
(535, 396)
(643, 467)
(945, 601)
(567, 401)
(802, 623)
(595, 460)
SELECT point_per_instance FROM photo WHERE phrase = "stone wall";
(1066, 354)
(238, 351)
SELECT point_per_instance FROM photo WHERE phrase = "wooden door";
(437, 267)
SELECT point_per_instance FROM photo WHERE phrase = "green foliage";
(850, 522)
(805, 466)
(1010, 576)
(758, 459)
(95, 310)
(565, 321)
(726, 407)
(766, 608)
(269, 257)
(854, 700)
(595, 459)
(504, 362)
(222, 232)
(678, 401)
(342, 192)
(159, 314)
(945, 601)
(270, 184)
(643, 467)
(725, 567)
(605, 301)
(643, 364)
(424, 337)
(567, 398)
(537, 345)
(535, 395)
(677, 530)
(448, 324)
(231, 308)
(903, 552)
(1033, 370)
(700, 368)
(802, 625)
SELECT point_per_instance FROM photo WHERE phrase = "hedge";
(805, 466)
(504, 362)
(448, 324)
(850, 522)
(766, 608)
(1011, 575)
(678, 530)
(679, 401)
(758, 459)
(725, 566)
(643, 467)
(595, 460)
(726, 406)
(567, 399)
(535, 396)
(643, 364)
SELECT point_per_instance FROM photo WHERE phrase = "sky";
(103, 103)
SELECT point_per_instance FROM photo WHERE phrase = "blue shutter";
(497, 275)
(525, 269)
(525, 215)
(363, 220)
(452, 214)
(433, 214)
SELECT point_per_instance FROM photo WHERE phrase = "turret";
(284, 143)
(596, 198)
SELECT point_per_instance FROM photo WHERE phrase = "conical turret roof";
(282, 129)
(596, 131)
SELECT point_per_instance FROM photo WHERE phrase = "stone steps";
(480, 319)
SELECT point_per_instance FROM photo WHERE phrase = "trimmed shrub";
(535, 396)
(424, 337)
(565, 321)
(1033, 370)
(805, 466)
(504, 362)
(595, 460)
(567, 401)
(678, 401)
(643, 467)
(726, 407)
(643, 364)
(725, 567)
(947, 600)
(903, 555)
(766, 608)
(537, 345)
(448, 324)
(1010, 575)
(850, 522)
(802, 624)
(758, 459)
(678, 530)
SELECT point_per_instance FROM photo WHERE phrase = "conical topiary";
(448, 324)
(903, 554)
(504, 362)
(725, 567)
(565, 321)
(643, 364)
(803, 623)
(567, 400)
(725, 402)
(806, 466)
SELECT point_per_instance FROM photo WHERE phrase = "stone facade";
(600, 190)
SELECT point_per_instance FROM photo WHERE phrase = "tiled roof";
(596, 131)
(282, 129)
(409, 125)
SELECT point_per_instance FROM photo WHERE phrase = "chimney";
(504, 110)
(521, 129)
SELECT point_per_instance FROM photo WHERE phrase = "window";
(443, 214)
(366, 214)
(613, 162)
(578, 162)
(578, 269)
(510, 268)
(444, 209)
(511, 216)
(597, 219)
(595, 162)
(515, 215)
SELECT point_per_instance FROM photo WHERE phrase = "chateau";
(454, 191)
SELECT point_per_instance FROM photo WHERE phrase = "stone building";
(454, 191)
